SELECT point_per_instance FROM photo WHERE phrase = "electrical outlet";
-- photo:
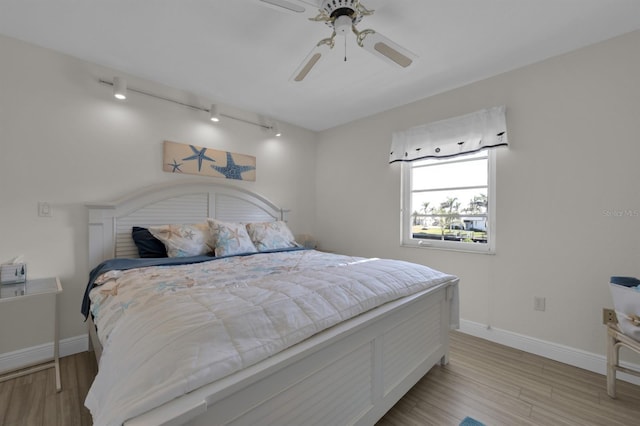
(539, 303)
(609, 315)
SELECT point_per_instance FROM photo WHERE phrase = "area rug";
(468, 421)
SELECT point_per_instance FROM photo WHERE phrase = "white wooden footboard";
(350, 374)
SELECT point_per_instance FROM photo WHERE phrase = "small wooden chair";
(615, 340)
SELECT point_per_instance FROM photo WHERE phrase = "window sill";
(449, 248)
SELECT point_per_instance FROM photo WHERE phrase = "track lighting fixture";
(120, 92)
(120, 88)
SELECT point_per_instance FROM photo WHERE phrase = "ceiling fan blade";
(309, 62)
(388, 50)
(284, 5)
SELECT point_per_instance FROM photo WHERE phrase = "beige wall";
(66, 141)
(571, 168)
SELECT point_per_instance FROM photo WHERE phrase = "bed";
(336, 363)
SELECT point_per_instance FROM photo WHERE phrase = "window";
(448, 180)
(449, 203)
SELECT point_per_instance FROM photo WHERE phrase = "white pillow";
(184, 240)
(230, 238)
(271, 235)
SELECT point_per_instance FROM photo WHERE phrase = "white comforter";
(169, 330)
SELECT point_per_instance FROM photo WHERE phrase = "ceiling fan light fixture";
(343, 16)
(342, 25)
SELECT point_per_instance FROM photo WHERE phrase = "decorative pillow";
(184, 240)
(271, 235)
(230, 238)
(148, 245)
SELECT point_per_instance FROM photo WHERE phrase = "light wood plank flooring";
(498, 385)
(33, 400)
(492, 383)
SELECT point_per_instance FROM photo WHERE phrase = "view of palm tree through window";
(449, 198)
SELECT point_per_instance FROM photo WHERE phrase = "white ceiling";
(242, 54)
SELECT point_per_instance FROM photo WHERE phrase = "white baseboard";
(36, 354)
(565, 354)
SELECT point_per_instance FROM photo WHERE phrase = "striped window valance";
(454, 136)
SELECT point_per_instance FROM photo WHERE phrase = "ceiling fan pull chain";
(345, 48)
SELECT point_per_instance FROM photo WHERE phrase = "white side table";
(44, 288)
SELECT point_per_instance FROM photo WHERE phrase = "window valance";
(454, 136)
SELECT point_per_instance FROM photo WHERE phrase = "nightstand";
(45, 288)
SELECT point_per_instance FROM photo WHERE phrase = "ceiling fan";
(343, 16)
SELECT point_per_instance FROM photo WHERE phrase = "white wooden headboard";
(189, 202)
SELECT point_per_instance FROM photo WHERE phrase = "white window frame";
(406, 216)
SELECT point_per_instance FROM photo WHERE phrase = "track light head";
(120, 88)
(214, 115)
(276, 130)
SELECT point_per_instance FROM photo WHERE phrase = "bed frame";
(350, 374)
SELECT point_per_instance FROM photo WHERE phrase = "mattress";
(167, 330)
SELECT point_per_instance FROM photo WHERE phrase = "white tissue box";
(13, 273)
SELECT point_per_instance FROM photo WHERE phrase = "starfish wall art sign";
(196, 160)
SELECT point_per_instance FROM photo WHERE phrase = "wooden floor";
(489, 382)
(33, 400)
(498, 385)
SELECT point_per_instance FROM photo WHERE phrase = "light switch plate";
(44, 209)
